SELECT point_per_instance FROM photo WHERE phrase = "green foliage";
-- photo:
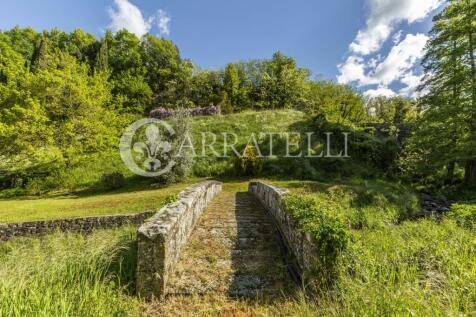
(338, 103)
(113, 181)
(425, 267)
(102, 57)
(390, 267)
(231, 83)
(249, 164)
(180, 151)
(393, 110)
(464, 214)
(171, 199)
(446, 132)
(330, 234)
(361, 204)
(65, 97)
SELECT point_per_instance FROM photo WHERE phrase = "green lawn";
(121, 202)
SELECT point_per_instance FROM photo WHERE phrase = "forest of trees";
(64, 95)
(67, 95)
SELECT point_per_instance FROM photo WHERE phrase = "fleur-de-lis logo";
(153, 154)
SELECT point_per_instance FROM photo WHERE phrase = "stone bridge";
(219, 241)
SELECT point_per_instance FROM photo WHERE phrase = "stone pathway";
(233, 250)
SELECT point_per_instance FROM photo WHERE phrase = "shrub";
(171, 199)
(113, 181)
(464, 214)
(160, 113)
(249, 164)
(182, 157)
(330, 233)
(164, 113)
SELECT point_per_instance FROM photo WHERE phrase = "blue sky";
(374, 45)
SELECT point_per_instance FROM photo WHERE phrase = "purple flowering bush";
(163, 113)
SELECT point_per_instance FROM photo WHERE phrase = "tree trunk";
(450, 172)
(470, 173)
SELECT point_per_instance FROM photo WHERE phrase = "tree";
(231, 83)
(102, 57)
(40, 54)
(392, 110)
(206, 88)
(338, 103)
(446, 133)
(167, 74)
(282, 84)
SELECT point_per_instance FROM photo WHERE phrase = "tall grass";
(360, 203)
(68, 275)
(420, 268)
(393, 266)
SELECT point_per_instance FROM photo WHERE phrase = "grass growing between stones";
(69, 275)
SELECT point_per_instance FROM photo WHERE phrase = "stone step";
(234, 250)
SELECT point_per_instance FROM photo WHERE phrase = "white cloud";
(384, 15)
(128, 16)
(380, 91)
(401, 59)
(397, 37)
(353, 70)
(365, 66)
(163, 22)
(411, 82)
(396, 67)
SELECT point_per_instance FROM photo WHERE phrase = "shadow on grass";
(123, 267)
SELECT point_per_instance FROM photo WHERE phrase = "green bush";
(182, 157)
(249, 164)
(418, 268)
(113, 181)
(170, 199)
(329, 231)
(464, 214)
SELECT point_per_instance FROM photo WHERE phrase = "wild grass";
(69, 275)
(390, 268)
(422, 268)
(418, 268)
(359, 203)
(393, 266)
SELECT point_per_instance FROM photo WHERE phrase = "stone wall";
(299, 244)
(162, 237)
(85, 225)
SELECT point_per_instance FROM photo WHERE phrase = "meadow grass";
(359, 203)
(393, 266)
(243, 125)
(69, 275)
(124, 201)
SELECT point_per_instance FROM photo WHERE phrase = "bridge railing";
(161, 238)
